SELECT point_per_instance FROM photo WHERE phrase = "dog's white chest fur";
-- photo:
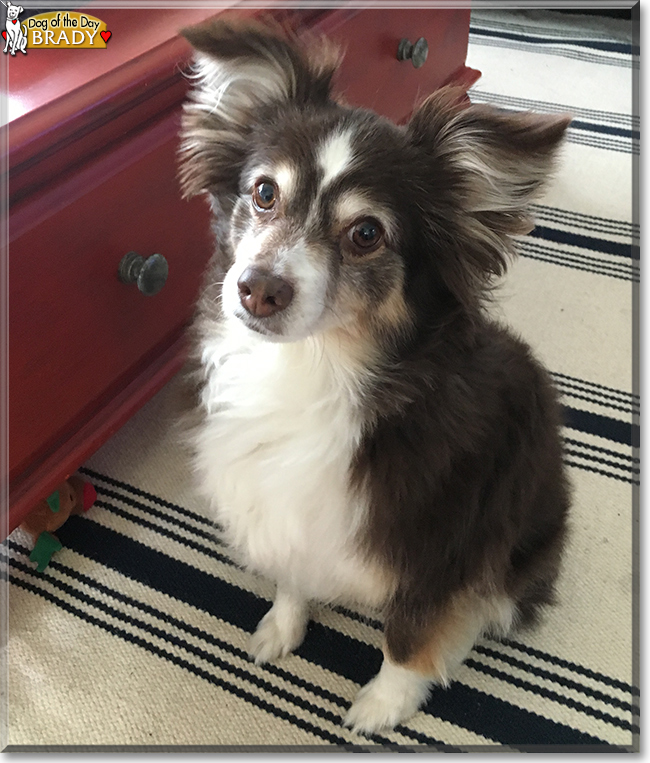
(274, 458)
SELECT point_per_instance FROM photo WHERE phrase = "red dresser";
(92, 176)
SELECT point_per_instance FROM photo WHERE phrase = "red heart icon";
(106, 36)
(15, 21)
(4, 34)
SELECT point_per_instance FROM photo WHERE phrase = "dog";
(365, 432)
(16, 34)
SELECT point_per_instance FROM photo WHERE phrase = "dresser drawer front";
(77, 332)
(78, 336)
(371, 75)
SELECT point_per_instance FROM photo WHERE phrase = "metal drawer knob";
(416, 53)
(149, 275)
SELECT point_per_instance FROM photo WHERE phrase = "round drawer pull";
(149, 275)
(416, 53)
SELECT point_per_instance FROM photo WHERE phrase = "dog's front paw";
(373, 710)
(279, 632)
(393, 696)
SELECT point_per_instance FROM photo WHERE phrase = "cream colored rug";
(136, 633)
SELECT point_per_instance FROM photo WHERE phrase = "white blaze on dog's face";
(314, 234)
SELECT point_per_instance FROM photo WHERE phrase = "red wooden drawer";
(371, 76)
(76, 331)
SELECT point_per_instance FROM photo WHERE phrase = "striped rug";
(135, 635)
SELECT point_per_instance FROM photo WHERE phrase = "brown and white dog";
(367, 434)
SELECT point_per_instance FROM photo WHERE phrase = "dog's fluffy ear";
(491, 165)
(240, 68)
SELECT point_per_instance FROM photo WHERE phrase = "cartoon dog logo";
(16, 35)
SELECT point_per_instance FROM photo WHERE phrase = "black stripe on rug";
(594, 385)
(585, 242)
(569, 263)
(561, 52)
(593, 128)
(623, 456)
(527, 104)
(573, 666)
(602, 426)
(606, 144)
(165, 531)
(149, 496)
(605, 399)
(595, 401)
(601, 472)
(542, 691)
(583, 262)
(461, 705)
(553, 677)
(621, 132)
(164, 515)
(591, 222)
(621, 268)
(603, 461)
(603, 45)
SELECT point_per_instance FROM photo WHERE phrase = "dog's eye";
(366, 235)
(264, 196)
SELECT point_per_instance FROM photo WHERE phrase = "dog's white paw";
(394, 695)
(279, 632)
(373, 710)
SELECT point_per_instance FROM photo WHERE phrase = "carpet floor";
(135, 635)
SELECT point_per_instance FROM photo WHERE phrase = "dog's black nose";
(263, 294)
